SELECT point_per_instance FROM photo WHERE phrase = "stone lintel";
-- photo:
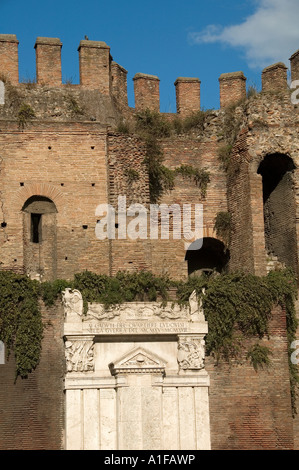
(232, 76)
(115, 64)
(187, 80)
(8, 38)
(294, 55)
(93, 44)
(145, 76)
(201, 379)
(40, 41)
(278, 65)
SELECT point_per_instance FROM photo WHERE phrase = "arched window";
(211, 257)
(279, 208)
(39, 237)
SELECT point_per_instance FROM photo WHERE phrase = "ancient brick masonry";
(32, 410)
(9, 57)
(236, 414)
(187, 95)
(48, 61)
(67, 156)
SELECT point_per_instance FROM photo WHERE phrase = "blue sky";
(167, 38)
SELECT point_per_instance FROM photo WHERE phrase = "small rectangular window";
(36, 228)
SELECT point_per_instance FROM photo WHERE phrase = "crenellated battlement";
(99, 72)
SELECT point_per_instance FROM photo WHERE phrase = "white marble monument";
(135, 376)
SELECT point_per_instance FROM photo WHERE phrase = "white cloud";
(269, 35)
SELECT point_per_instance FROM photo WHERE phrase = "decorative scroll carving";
(172, 312)
(191, 353)
(196, 309)
(137, 311)
(72, 302)
(99, 312)
(138, 361)
(79, 355)
(73, 305)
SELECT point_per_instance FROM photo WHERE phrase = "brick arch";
(208, 255)
(272, 149)
(279, 208)
(39, 189)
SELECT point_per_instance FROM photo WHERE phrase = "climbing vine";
(236, 306)
(201, 177)
(240, 305)
(25, 114)
(230, 130)
(20, 320)
(151, 126)
(123, 287)
(222, 226)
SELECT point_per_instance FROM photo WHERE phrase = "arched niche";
(211, 257)
(279, 208)
(39, 238)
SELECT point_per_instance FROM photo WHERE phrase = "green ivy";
(236, 306)
(222, 226)
(152, 126)
(259, 356)
(25, 114)
(132, 175)
(73, 105)
(20, 320)
(161, 178)
(230, 130)
(240, 305)
(201, 177)
(100, 288)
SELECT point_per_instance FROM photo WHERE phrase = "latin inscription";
(106, 328)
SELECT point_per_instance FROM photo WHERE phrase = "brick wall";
(48, 61)
(274, 77)
(202, 154)
(241, 246)
(128, 177)
(245, 201)
(119, 85)
(294, 59)
(147, 92)
(32, 409)
(67, 164)
(280, 223)
(68, 157)
(187, 95)
(251, 410)
(163, 256)
(232, 88)
(95, 65)
(9, 62)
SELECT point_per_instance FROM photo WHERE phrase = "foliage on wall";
(236, 306)
(151, 127)
(20, 320)
(223, 226)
